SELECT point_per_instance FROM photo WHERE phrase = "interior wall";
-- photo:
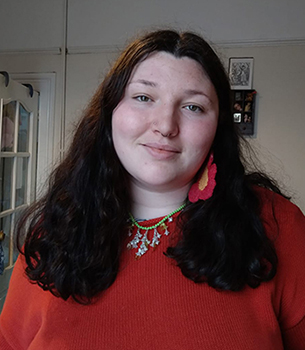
(84, 73)
(40, 24)
(31, 25)
(95, 29)
(112, 22)
(279, 75)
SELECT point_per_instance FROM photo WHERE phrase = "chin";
(161, 184)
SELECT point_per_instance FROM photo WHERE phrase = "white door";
(18, 139)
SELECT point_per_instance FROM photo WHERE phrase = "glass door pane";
(15, 250)
(5, 227)
(8, 127)
(23, 130)
(21, 181)
(6, 172)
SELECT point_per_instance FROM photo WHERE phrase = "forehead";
(166, 64)
(169, 73)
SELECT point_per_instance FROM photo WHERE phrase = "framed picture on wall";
(241, 73)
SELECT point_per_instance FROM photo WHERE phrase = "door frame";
(44, 84)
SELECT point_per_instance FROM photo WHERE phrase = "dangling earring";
(204, 187)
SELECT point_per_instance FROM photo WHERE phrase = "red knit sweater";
(152, 306)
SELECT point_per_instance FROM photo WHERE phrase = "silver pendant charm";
(141, 241)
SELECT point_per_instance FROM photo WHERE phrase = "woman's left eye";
(142, 98)
(194, 108)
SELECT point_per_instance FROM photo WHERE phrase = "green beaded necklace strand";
(158, 223)
(142, 237)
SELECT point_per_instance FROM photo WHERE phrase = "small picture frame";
(237, 117)
(241, 73)
(238, 96)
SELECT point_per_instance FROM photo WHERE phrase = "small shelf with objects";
(244, 110)
(243, 95)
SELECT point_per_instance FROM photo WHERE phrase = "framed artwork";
(241, 73)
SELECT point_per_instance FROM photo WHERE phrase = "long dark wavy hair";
(73, 237)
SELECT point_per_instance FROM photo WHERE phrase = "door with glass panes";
(18, 139)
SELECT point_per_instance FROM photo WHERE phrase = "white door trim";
(44, 83)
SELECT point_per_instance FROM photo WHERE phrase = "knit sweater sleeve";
(3, 343)
(294, 338)
(19, 320)
(289, 281)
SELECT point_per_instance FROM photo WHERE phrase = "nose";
(166, 121)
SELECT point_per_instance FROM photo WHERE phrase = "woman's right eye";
(142, 98)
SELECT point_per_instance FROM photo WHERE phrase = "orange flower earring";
(204, 187)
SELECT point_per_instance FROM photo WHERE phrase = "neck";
(147, 204)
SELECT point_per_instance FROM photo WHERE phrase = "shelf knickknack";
(244, 110)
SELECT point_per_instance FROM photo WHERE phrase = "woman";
(151, 198)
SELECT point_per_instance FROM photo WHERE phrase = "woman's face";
(165, 124)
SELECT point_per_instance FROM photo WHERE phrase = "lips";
(161, 152)
(160, 147)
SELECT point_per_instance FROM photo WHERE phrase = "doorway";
(19, 107)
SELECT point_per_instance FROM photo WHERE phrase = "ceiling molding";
(260, 42)
(79, 50)
(48, 51)
(94, 49)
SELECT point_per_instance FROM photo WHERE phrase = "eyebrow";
(197, 92)
(144, 82)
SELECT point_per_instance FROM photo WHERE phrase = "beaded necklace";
(142, 238)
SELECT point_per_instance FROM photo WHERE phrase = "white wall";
(31, 24)
(279, 75)
(40, 24)
(113, 21)
(84, 73)
(273, 32)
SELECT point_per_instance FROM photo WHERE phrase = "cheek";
(120, 124)
(117, 131)
(118, 138)
(126, 122)
(202, 135)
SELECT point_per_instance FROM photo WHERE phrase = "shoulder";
(278, 212)
(24, 307)
(269, 198)
(285, 225)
